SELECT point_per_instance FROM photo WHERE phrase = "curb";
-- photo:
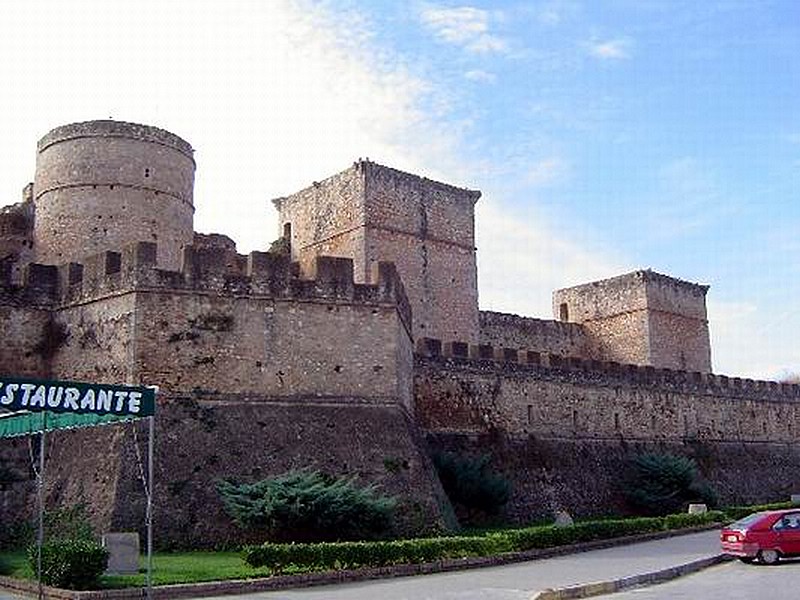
(281, 582)
(587, 590)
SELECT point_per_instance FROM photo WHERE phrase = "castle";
(355, 346)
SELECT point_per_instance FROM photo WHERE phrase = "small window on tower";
(287, 237)
(563, 312)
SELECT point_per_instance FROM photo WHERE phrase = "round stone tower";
(101, 185)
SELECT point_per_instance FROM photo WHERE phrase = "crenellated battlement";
(488, 357)
(208, 270)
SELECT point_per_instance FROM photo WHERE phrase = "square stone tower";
(373, 213)
(642, 318)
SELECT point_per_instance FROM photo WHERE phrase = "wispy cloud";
(614, 49)
(521, 261)
(689, 198)
(464, 26)
(547, 172)
(480, 76)
(555, 12)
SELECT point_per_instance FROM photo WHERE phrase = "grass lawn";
(178, 567)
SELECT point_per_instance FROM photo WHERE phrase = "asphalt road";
(519, 581)
(730, 581)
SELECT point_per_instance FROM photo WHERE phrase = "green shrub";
(71, 564)
(470, 483)
(734, 513)
(660, 484)
(350, 555)
(69, 523)
(5, 566)
(307, 505)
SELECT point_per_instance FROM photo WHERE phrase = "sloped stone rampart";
(200, 440)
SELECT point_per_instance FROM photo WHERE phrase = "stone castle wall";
(426, 229)
(582, 399)
(102, 185)
(564, 431)
(372, 213)
(16, 236)
(559, 338)
(327, 219)
(643, 318)
(199, 440)
(227, 323)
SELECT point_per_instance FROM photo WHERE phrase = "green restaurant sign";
(76, 398)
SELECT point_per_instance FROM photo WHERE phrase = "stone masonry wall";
(16, 236)
(643, 317)
(426, 229)
(564, 435)
(233, 324)
(199, 440)
(684, 343)
(102, 185)
(623, 338)
(585, 476)
(551, 337)
(678, 324)
(327, 219)
(587, 400)
(372, 213)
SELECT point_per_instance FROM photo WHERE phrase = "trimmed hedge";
(349, 555)
(734, 513)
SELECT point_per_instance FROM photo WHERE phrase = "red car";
(765, 536)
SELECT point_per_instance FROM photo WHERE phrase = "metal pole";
(149, 518)
(40, 494)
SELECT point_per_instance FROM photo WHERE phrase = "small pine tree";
(470, 484)
(660, 484)
(305, 505)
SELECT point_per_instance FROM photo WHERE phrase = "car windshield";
(743, 524)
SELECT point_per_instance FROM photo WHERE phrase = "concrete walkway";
(521, 581)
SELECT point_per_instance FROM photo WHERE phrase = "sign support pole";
(149, 515)
(40, 494)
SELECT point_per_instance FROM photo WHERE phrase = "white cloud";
(480, 76)
(464, 26)
(555, 12)
(521, 261)
(547, 172)
(753, 340)
(616, 49)
(271, 96)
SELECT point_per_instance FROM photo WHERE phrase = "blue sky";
(605, 135)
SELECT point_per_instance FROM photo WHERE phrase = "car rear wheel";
(769, 557)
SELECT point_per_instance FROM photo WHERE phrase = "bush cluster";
(5, 566)
(660, 484)
(71, 564)
(71, 556)
(277, 557)
(308, 505)
(471, 484)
